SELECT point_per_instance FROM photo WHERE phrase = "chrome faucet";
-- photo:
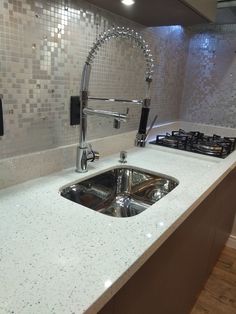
(83, 152)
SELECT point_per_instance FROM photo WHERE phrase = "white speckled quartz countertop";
(59, 257)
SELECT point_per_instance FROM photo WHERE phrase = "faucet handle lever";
(152, 125)
(92, 154)
(141, 138)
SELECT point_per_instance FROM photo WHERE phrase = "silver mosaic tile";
(210, 82)
(43, 46)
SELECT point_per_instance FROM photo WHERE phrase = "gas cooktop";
(197, 142)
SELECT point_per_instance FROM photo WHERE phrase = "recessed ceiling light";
(128, 2)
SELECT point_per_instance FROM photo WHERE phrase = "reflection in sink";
(120, 192)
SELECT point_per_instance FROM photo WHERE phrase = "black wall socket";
(1, 119)
(74, 110)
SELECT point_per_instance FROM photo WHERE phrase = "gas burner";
(174, 141)
(192, 134)
(197, 142)
(208, 149)
(170, 141)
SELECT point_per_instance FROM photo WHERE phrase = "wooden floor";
(219, 293)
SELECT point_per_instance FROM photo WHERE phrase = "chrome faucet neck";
(126, 33)
(83, 154)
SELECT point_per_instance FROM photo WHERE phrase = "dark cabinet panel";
(162, 12)
(170, 281)
(222, 215)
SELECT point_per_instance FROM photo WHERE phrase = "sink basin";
(120, 192)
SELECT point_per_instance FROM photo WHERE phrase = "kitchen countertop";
(59, 257)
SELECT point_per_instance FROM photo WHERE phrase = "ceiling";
(226, 12)
(154, 12)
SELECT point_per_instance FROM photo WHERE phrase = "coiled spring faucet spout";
(83, 152)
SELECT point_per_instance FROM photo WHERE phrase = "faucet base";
(81, 159)
(83, 156)
(81, 171)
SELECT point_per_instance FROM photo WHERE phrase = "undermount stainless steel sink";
(120, 192)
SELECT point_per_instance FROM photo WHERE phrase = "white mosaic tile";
(43, 46)
(209, 94)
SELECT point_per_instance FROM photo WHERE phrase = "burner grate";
(197, 142)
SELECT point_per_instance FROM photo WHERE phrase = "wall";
(43, 46)
(209, 94)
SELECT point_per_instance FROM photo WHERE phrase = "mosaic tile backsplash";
(209, 94)
(43, 46)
